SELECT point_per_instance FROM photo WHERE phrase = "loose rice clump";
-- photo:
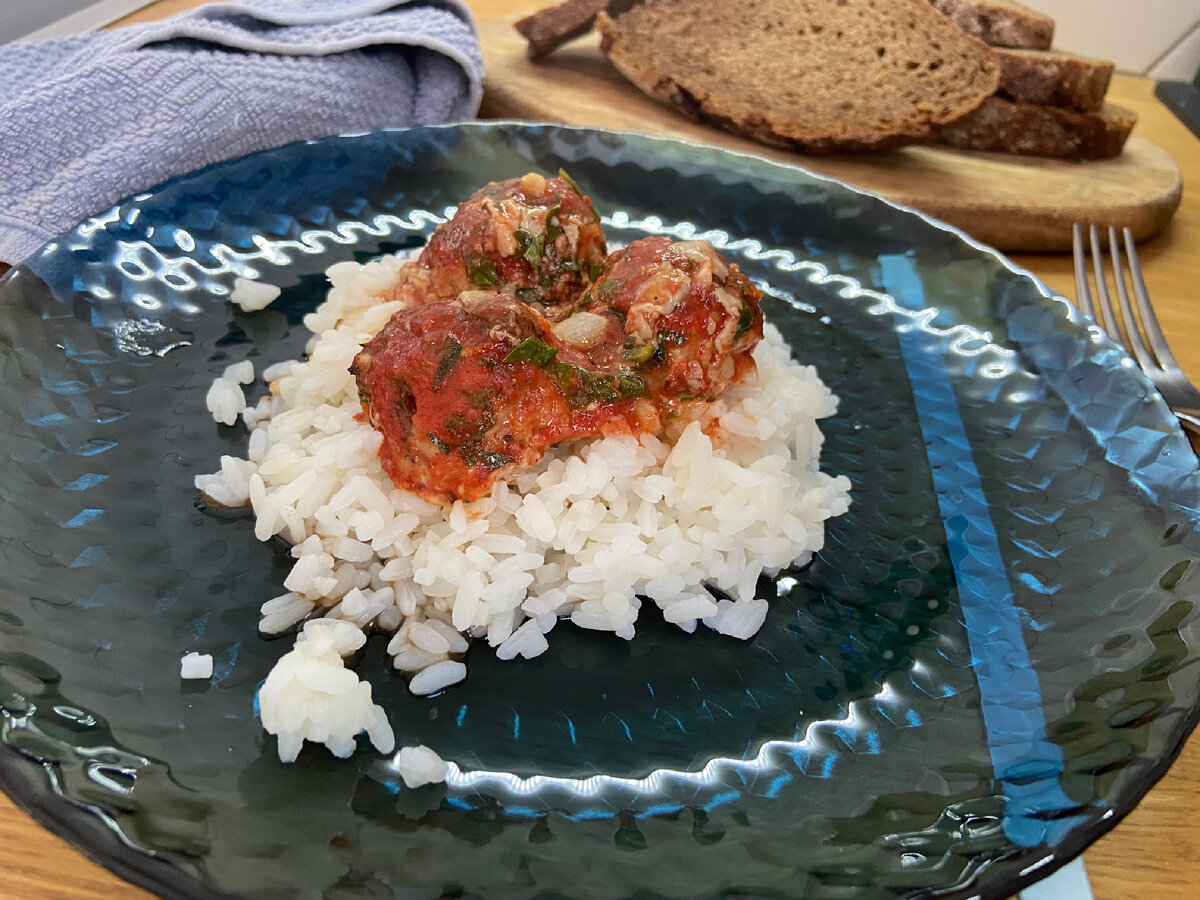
(587, 534)
(311, 695)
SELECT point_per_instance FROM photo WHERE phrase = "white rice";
(587, 534)
(311, 695)
(226, 399)
(419, 765)
(196, 665)
(251, 296)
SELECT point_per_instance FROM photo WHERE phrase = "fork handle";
(1190, 421)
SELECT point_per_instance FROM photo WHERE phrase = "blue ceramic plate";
(989, 664)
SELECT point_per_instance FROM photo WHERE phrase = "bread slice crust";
(1001, 23)
(1032, 130)
(822, 76)
(548, 29)
(1053, 78)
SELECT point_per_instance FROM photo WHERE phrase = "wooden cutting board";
(1010, 202)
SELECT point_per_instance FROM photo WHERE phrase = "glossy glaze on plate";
(994, 657)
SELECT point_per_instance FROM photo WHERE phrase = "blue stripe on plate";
(1026, 763)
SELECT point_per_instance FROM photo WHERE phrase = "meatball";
(688, 319)
(536, 238)
(470, 391)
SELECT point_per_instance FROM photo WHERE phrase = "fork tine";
(1133, 341)
(1180, 395)
(1106, 307)
(1158, 342)
(1083, 294)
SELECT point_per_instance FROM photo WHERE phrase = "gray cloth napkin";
(86, 121)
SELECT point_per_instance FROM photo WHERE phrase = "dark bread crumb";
(819, 75)
(1052, 78)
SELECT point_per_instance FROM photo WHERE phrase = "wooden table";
(1154, 853)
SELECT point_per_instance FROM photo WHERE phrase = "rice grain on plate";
(587, 534)
(196, 665)
(252, 296)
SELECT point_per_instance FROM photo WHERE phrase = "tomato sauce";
(474, 387)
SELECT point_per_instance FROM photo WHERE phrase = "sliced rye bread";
(553, 26)
(1053, 78)
(1031, 130)
(550, 28)
(1001, 23)
(819, 75)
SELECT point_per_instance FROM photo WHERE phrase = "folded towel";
(86, 121)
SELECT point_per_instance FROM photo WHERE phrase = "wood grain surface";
(1153, 853)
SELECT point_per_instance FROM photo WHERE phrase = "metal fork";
(1140, 335)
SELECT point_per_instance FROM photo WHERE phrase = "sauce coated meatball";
(470, 391)
(519, 334)
(536, 238)
(688, 320)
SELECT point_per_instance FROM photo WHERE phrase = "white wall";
(1159, 38)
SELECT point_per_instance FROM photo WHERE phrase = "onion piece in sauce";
(581, 330)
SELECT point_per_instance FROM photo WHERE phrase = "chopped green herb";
(530, 246)
(405, 403)
(631, 385)
(438, 442)
(686, 395)
(673, 337)
(493, 460)
(595, 386)
(472, 454)
(606, 389)
(562, 173)
(553, 230)
(639, 354)
(529, 295)
(533, 253)
(608, 289)
(531, 350)
(560, 373)
(595, 271)
(481, 271)
(446, 364)
(666, 337)
(746, 319)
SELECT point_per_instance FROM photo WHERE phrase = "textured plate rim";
(88, 832)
